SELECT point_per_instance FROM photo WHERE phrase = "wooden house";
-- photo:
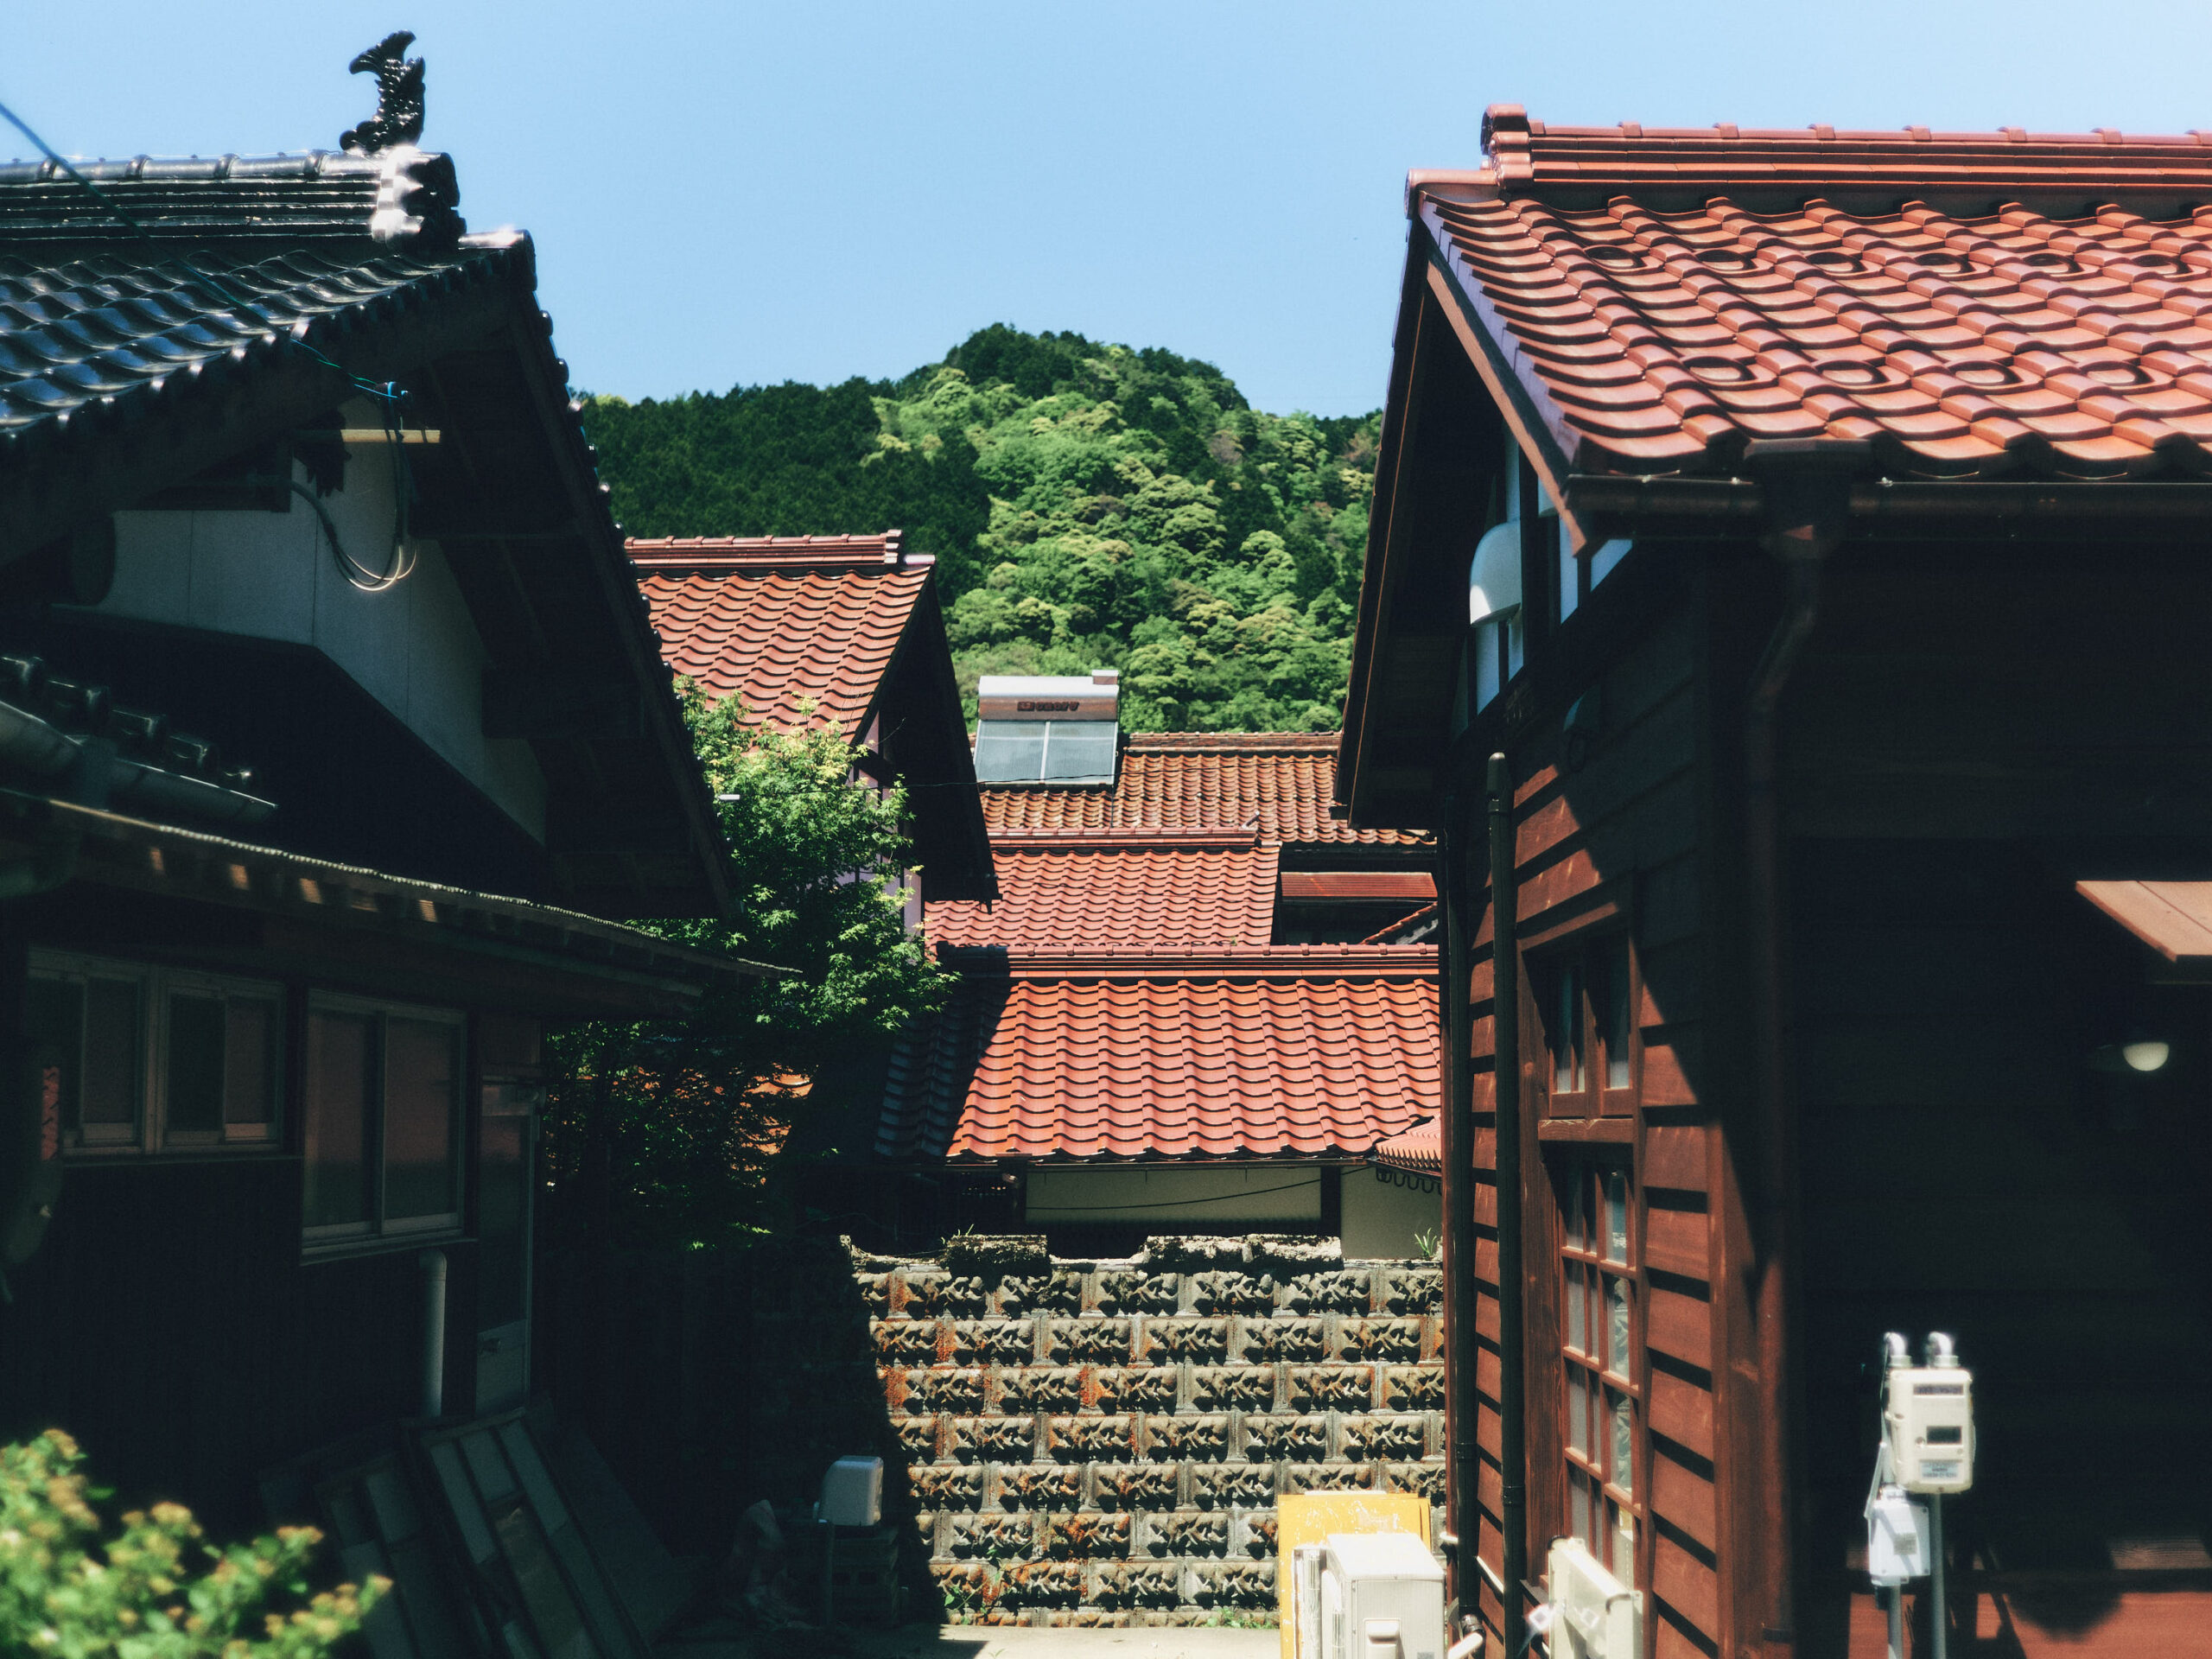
(1816, 523)
(314, 632)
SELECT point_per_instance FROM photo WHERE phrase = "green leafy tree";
(152, 1588)
(663, 1131)
(1090, 506)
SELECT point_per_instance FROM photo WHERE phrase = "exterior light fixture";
(2146, 1054)
(2139, 1055)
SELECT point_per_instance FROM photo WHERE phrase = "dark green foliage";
(1090, 506)
(662, 1132)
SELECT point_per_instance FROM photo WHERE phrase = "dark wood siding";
(170, 1326)
(1966, 1172)
(1620, 838)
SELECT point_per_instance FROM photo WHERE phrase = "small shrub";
(154, 1588)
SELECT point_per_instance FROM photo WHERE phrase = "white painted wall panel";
(1383, 1210)
(268, 575)
(1174, 1196)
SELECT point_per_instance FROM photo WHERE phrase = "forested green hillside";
(1089, 506)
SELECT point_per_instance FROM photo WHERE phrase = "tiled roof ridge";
(1072, 839)
(400, 196)
(1198, 962)
(706, 553)
(1526, 155)
(284, 164)
(1234, 742)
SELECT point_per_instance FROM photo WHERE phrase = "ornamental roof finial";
(398, 119)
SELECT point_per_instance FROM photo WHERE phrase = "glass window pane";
(1576, 1337)
(54, 1022)
(250, 1062)
(112, 1034)
(421, 1095)
(1580, 1490)
(1080, 751)
(1009, 750)
(1624, 1549)
(1569, 1070)
(1622, 1472)
(340, 1073)
(1578, 1411)
(1616, 1016)
(195, 1064)
(503, 1209)
(1575, 1239)
(1617, 1327)
(1616, 1216)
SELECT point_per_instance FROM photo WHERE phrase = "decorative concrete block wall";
(1103, 1442)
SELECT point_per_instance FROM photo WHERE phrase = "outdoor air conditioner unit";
(1594, 1615)
(1381, 1598)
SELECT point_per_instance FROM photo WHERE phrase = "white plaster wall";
(1172, 1196)
(267, 575)
(1383, 1210)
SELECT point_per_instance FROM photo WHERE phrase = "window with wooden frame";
(1601, 1372)
(158, 1060)
(1586, 1001)
(381, 1139)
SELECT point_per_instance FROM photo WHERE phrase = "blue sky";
(742, 193)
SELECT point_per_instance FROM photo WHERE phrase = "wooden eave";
(283, 912)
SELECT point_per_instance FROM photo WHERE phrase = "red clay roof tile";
(1281, 782)
(1198, 1066)
(791, 622)
(1419, 1149)
(1664, 297)
(1120, 897)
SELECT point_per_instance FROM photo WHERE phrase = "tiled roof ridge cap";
(1198, 961)
(301, 164)
(708, 553)
(1244, 838)
(1237, 742)
(1528, 154)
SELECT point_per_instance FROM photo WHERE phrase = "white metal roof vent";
(1048, 728)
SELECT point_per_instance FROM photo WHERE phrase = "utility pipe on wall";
(433, 1263)
(1505, 993)
(1456, 1150)
(1805, 486)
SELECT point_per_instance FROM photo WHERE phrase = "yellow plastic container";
(1310, 1517)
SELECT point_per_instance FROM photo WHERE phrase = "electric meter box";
(1896, 1538)
(1928, 1418)
(1381, 1598)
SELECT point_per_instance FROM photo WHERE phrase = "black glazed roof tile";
(224, 257)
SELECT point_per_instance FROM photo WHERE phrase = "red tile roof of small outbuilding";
(1225, 1055)
(1973, 305)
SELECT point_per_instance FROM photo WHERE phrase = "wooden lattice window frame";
(1604, 1386)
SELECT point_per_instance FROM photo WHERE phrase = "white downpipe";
(433, 1263)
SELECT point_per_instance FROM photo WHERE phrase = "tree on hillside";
(661, 1132)
(1090, 506)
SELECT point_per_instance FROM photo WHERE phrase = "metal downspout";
(1806, 486)
(1512, 1408)
(1456, 1150)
